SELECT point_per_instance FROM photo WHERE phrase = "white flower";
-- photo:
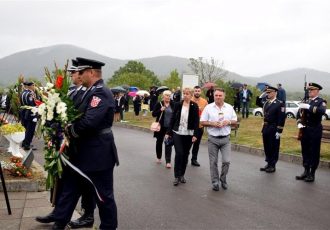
(49, 85)
(34, 110)
(41, 109)
(61, 108)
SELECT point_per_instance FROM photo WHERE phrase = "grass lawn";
(249, 133)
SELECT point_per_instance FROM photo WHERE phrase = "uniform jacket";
(27, 99)
(193, 118)
(95, 146)
(274, 114)
(313, 116)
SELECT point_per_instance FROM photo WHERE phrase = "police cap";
(312, 85)
(74, 66)
(271, 89)
(84, 63)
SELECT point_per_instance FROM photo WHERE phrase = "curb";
(28, 185)
(242, 148)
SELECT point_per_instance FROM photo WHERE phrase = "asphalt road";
(146, 198)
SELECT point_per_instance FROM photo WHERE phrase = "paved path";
(146, 198)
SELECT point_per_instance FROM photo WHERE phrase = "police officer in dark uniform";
(309, 121)
(28, 120)
(96, 153)
(274, 119)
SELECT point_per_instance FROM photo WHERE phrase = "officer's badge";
(30, 98)
(316, 100)
(95, 101)
(282, 109)
(324, 104)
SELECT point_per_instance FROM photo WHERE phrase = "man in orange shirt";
(201, 105)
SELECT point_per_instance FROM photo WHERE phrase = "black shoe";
(215, 187)
(270, 169)
(182, 180)
(303, 175)
(46, 219)
(176, 182)
(26, 147)
(59, 226)
(86, 220)
(195, 163)
(224, 184)
(309, 178)
(264, 168)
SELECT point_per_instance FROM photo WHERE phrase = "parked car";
(291, 110)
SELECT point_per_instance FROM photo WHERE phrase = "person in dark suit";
(210, 95)
(274, 120)
(96, 153)
(245, 98)
(309, 120)
(183, 128)
(163, 112)
(28, 119)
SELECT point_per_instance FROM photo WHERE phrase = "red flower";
(59, 82)
(38, 102)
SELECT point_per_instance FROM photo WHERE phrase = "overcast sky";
(251, 37)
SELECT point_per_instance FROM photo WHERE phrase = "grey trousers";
(214, 146)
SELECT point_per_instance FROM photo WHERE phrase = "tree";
(173, 81)
(132, 79)
(134, 69)
(207, 70)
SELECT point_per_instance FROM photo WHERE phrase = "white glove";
(300, 126)
(35, 119)
(277, 135)
(304, 106)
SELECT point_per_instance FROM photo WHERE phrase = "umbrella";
(209, 85)
(132, 94)
(125, 86)
(236, 85)
(133, 89)
(161, 89)
(142, 92)
(118, 89)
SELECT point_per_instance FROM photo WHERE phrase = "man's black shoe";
(86, 220)
(224, 184)
(303, 175)
(25, 147)
(309, 178)
(215, 187)
(176, 181)
(58, 226)
(46, 219)
(264, 168)
(195, 163)
(270, 169)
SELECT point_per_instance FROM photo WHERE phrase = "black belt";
(105, 131)
(268, 123)
(220, 137)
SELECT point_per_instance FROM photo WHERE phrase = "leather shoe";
(270, 169)
(309, 178)
(195, 163)
(86, 220)
(59, 226)
(215, 187)
(176, 182)
(264, 168)
(182, 180)
(224, 184)
(46, 219)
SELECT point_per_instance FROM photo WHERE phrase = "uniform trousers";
(216, 144)
(195, 145)
(182, 145)
(30, 127)
(73, 185)
(271, 144)
(310, 146)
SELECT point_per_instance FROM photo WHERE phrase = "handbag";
(155, 126)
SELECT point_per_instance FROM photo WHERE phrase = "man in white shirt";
(218, 117)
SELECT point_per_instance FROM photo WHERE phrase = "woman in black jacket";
(163, 110)
(183, 128)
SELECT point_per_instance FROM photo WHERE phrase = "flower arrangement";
(11, 128)
(56, 111)
(16, 168)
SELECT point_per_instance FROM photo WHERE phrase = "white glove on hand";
(300, 126)
(304, 106)
(35, 119)
(277, 135)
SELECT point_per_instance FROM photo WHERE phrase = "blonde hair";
(167, 92)
(190, 90)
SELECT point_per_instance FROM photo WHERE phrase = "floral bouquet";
(16, 168)
(56, 111)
